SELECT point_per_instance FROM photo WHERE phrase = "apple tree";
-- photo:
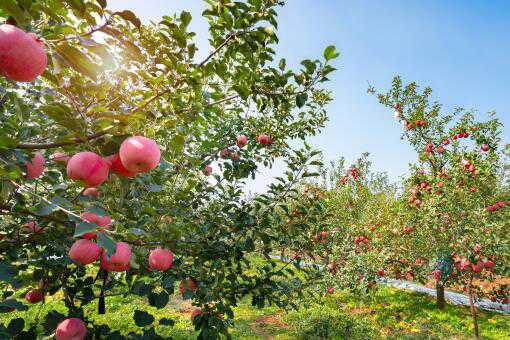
(125, 155)
(453, 217)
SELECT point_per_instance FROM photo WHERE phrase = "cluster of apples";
(352, 172)
(22, 55)
(361, 239)
(241, 142)
(499, 205)
(137, 154)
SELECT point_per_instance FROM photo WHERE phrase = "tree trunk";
(473, 312)
(440, 301)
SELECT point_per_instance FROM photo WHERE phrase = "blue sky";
(460, 48)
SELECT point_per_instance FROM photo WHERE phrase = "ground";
(387, 313)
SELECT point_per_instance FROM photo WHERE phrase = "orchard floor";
(388, 313)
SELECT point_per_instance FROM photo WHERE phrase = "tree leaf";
(77, 60)
(330, 53)
(131, 17)
(84, 227)
(8, 274)
(106, 242)
(301, 99)
(16, 326)
(167, 322)
(158, 300)
(142, 318)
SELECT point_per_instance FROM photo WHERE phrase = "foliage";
(109, 77)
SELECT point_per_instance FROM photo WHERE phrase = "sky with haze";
(459, 48)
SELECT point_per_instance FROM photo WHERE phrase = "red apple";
(161, 259)
(119, 261)
(187, 285)
(88, 167)
(31, 227)
(196, 312)
(91, 192)
(35, 167)
(485, 148)
(264, 139)
(35, 295)
(380, 272)
(84, 252)
(22, 56)
(225, 153)
(241, 141)
(117, 167)
(139, 154)
(207, 170)
(71, 329)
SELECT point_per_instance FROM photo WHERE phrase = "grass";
(388, 313)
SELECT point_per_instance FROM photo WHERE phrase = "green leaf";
(330, 53)
(131, 17)
(106, 242)
(16, 326)
(77, 60)
(51, 321)
(185, 19)
(301, 99)
(142, 318)
(12, 8)
(83, 228)
(158, 300)
(8, 274)
(7, 142)
(9, 305)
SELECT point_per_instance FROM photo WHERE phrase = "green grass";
(388, 313)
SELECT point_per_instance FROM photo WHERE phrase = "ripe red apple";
(472, 190)
(225, 153)
(264, 139)
(408, 230)
(71, 329)
(235, 156)
(91, 192)
(440, 184)
(241, 141)
(331, 290)
(60, 157)
(478, 267)
(501, 204)
(207, 170)
(187, 286)
(102, 221)
(119, 261)
(489, 265)
(446, 141)
(381, 272)
(35, 167)
(139, 154)
(88, 167)
(437, 274)
(485, 148)
(161, 259)
(35, 295)
(117, 167)
(324, 234)
(84, 251)
(440, 149)
(22, 56)
(465, 135)
(31, 227)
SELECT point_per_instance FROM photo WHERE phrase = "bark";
(440, 301)
(473, 312)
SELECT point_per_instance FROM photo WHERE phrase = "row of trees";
(448, 220)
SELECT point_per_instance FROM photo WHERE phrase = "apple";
(408, 230)
(331, 290)
(161, 259)
(35, 295)
(380, 272)
(88, 167)
(84, 251)
(102, 221)
(446, 141)
(477, 248)
(225, 153)
(91, 192)
(139, 154)
(119, 261)
(60, 157)
(440, 184)
(485, 148)
(31, 227)
(35, 167)
(241, 141)
(264, 139)
(437, 274)
(207, 170)
(117, 167)
(22, 55)
(71, 329)
(489, 265)
(235, 156)
(440, 149)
